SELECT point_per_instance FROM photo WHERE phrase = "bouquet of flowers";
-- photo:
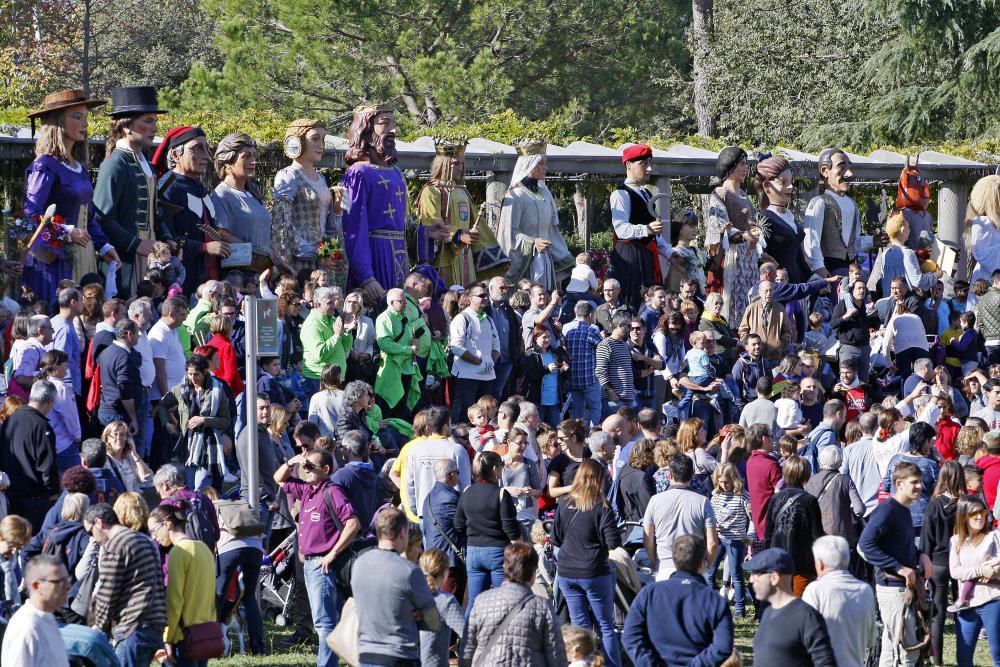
(331, 249)
(19, 230)
(599, 261)
(330, 255)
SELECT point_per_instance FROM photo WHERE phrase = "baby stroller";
(276, 589)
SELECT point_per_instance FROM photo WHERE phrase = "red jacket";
(228, 370)
(763, 475)
(947, 429)
(990, 465)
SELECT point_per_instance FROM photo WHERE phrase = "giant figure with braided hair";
(783, 235)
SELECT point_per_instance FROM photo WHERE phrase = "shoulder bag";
(344, 563)
(459, 554)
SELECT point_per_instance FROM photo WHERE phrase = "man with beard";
(186, 207)
(125, 194)
(832, 221)
(375, 207)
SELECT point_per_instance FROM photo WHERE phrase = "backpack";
(787, 520)
(236, 517)
(198, 516)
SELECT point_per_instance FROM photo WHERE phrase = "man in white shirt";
(420, 463)
(32, 637)
(639, 246)
(845, 602)
(168, 361)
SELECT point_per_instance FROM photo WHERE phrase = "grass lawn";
(745, 629)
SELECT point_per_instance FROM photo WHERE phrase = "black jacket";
(584, 539)
(939, 526)
(533, 370)
(635, 488)
(854, 330)
(486, 516)
(28, 455)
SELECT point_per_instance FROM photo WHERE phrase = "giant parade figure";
(832, 221)
(376, 224)
(471, 252)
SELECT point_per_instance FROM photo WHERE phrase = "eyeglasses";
(478, 295)
(635, 328)
(310, 466)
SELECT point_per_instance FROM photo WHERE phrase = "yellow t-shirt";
(399, 467)
(948, 336)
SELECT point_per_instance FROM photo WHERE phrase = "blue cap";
(771, 560)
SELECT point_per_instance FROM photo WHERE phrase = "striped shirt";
(733, 514)
(130, 592)
(614, 368)
(581, 343)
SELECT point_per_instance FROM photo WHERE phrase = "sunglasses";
(310, 466)
(978, 514)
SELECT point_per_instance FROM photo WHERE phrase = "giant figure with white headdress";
(529, 225)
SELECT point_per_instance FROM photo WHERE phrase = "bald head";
(614, 424)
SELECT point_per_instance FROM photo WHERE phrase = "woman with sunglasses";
(974, 558)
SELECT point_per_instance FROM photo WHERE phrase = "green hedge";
(505, 127)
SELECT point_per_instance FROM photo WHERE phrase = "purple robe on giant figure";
(49, 181)
(375, 225)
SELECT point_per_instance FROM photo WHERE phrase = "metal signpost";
(262, 340)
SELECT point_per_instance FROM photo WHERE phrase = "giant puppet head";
(372, 135)
(914, 192)
(773, 181)
(835, 170)
(448, 167)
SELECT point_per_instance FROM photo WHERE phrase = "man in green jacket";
(398, 374)
(323, 339)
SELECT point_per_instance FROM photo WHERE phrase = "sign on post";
(267, 327)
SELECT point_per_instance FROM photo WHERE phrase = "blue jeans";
(138, 648)
(200, 477)
(970, 621)
(550, 414)
(485, 570)
(325, 605)
(733, 551)
(503, 370)
(247, 560)
(144, 438)
(587, 403)
(598, 594)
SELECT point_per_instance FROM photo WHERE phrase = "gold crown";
(530, 146)
(374, 108)
(450, 147)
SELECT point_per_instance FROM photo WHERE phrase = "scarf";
(204, 446)
(853, 385)
(712, 317)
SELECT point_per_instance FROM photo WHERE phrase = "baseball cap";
(771, 560)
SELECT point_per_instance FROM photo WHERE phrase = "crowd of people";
(479, 450)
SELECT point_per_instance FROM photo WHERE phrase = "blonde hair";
(209, 492)
(161, 252)
(895, 225)
(984, 200)
(132, 510)
(280, 416)
(727, 474)
(75, 505)
(52, 139)
(16, 530)
(221, 324)
(434, 564)
(581, 644)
